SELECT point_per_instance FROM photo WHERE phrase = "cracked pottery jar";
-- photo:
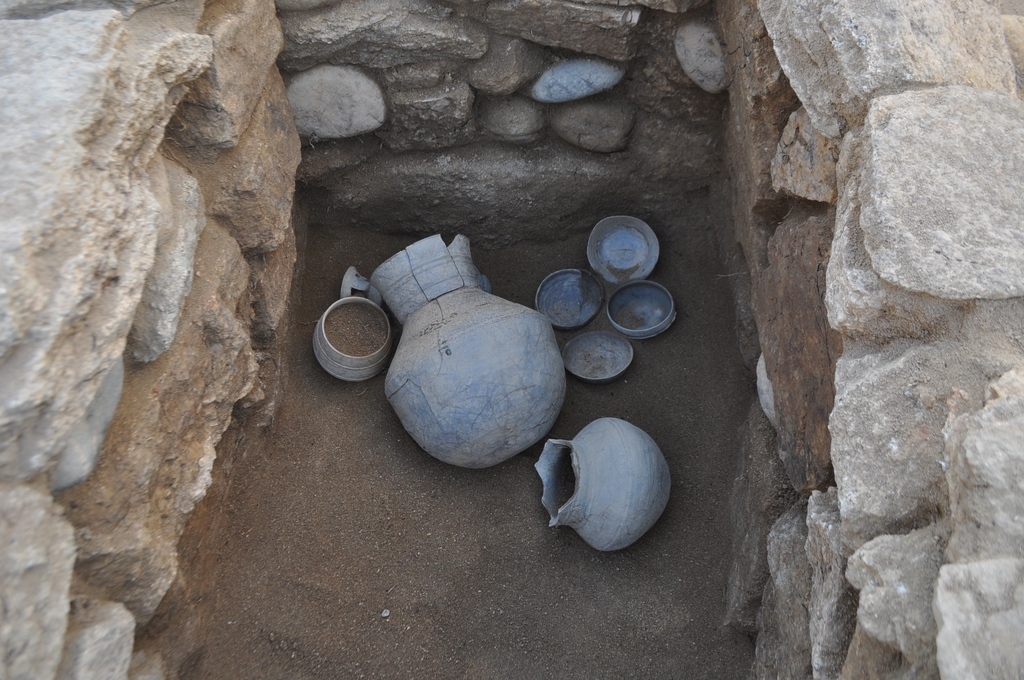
(622, 483)
(476, 379)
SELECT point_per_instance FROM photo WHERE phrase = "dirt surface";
(339, 549)
(356, 329)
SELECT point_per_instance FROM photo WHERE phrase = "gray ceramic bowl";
(598, 356)
(570, 298)
(622, 248)
(641, 309)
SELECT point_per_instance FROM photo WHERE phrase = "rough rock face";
(800, 350)
(246, 40)
(604, 30)
(805, 163)
(37, 552)
(600, 125)
(839, 54)
(760, 494)
(331, 102)
(378, 34)
(783, 642)
(986, 465)
(941, 201)
(1013, 29)
(859, 302)
(159, 451)
(249, 187)
(833, 603)
(887, 437)
(979, 608)
(430, 118)
(98, 644)
(509, 64)
(67, 270)
(182, 220)
(896, 576)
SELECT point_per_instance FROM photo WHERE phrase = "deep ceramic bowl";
(597, 357)
(570, 298)
(622, 249)
(641, 309)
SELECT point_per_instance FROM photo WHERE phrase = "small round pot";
(343, 366)
(641, 309)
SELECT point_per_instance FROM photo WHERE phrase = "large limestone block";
(979, 609)
(760, 494)
(832, 606)
(839, 54)
(985, 451)
(98, 644)
(805, 163)
(37, 553)
(249, 187)
(896, 577)
(509, 64)
(379, 34)
(859, 302)
(783, 636)
(335, 102)
(159, 451)
(799, 347)
(430, 118)
(246, 40)
(887, 441)
(604, 30)
(182, 219)
(944, 191)
(84, 107)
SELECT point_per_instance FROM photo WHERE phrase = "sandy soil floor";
(341, 550)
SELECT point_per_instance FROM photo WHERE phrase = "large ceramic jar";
(475, 379)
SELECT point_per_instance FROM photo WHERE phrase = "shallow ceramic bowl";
(570, 298)
(641, 309)
(598, 356)
(622, 249)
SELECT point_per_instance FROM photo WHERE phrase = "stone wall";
(146, 179)
(511, 120)
(876, 198)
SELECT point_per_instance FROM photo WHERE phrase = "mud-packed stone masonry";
(867, 160)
